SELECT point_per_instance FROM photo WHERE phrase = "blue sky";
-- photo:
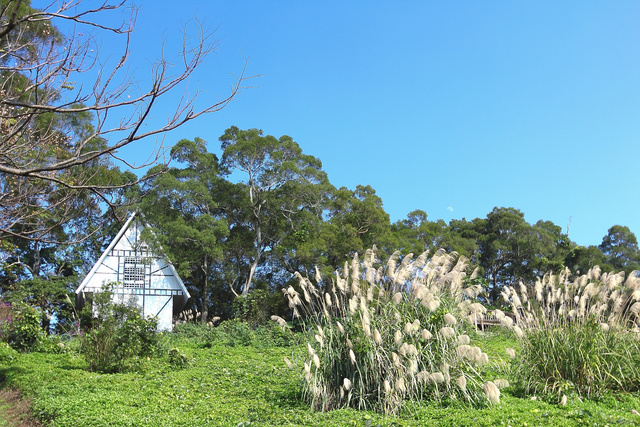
(449, 107)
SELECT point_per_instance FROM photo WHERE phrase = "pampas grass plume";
(447, 332)
(501, 383)
(395, 358)
(377, 338)
(288, 362)
(518, 331)
(423, 376)
(437, 377)
(397, 297)
(491, 391)
(408, 327)
(464, 339)
(400, 385)
(398, 338)
(462, 382)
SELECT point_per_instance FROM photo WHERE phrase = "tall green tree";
(181, 204)
(357, 221)
(620, 247)
(279, 187)
(549, 248)
(581, 259)
(416, 234)
(464, 237)
(511, 249)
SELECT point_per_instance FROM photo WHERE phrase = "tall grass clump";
(378, 337)
(579, 335)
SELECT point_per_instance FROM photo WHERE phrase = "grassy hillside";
(226, 384)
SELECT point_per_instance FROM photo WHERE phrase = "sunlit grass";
(578, 334)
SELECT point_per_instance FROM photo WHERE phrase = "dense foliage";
(230, 237)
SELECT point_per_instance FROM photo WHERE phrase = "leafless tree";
(49, 160)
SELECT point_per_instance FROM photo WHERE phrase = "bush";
(177, 359)
(20, 326)
(578, 335)
(7, 354)
(256, 307)
(55, 344)
(381, 337)
(119, 335)
(6, 318)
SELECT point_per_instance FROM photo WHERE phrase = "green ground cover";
(251, 385)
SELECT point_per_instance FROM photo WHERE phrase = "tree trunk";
(205, 292)
(256, 259)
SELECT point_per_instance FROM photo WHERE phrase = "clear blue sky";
(449, 107)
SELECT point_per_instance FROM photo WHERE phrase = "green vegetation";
(578, 335)
(118, 335)
(19, 326)
(375, 345)
(394, 345)
(230, 385)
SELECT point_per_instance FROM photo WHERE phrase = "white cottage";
(138, 275)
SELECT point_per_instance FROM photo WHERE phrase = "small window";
(133, 272)
(132, 260)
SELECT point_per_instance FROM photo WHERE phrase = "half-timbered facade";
(136, 275)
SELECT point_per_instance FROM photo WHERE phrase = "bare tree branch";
(47, 159)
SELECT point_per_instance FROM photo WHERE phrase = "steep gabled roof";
(120, 241)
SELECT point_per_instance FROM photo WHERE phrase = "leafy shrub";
(578, 335)
(237, 332)
(378, 337)
(20, 326)
(7, 354)
(55, 344)
(177, 359)
(272, 335)
(256, 307)
(118, 335)
(189, 330)
(6, 318)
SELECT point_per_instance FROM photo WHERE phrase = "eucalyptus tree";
(620, 246)
(416, 234)
(503, 248)
(511, 249)
(182, 206)
(580, 259)
(464, 237)
(278, 189)
(356, 222)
